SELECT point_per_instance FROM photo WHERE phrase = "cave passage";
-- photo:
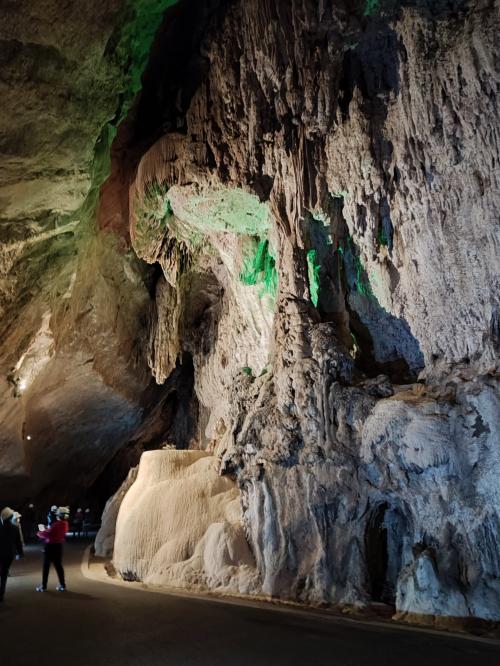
(249, 329)
(377, 554)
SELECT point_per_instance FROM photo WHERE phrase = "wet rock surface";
(73, 300)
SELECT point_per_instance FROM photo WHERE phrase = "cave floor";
(95, 624)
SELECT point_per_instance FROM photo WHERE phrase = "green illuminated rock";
(222, 210)
(141, 19)
(259, 268)
(313, 274)
(371, 7)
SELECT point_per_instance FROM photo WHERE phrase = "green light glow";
(382, 237)
(260, 268)
(155, 204)
(141, 20)
(320, 216)
(100, 171)
(371, 7)
(362, 285)
(313, 273)
(354, 265)
(223, 210)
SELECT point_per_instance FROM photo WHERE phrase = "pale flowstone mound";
(180, 524)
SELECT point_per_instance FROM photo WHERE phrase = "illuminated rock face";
(179, 524)
(73, 385)
(319, 212)
(357, 484)
(375, 494)
(73, 303)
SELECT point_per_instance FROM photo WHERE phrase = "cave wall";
(74, 299)
(371, 137)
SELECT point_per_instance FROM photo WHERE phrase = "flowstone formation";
(179, 524)
(297, 239)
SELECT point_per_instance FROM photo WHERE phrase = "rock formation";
(311, 203)
(73, 300)
(180, 524)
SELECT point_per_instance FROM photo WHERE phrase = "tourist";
(52, 515)
(10, 544)
(54, 536)
(77, 523)
(87, 523)
(29, 523)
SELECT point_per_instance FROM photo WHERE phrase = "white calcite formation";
(180, 524)
(378, 498)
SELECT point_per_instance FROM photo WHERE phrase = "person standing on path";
(29, 523)
(53, 537)
(52, 515)
(10, 544)
(77, 525)
(87, 522)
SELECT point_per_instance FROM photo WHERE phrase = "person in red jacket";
(53, 537)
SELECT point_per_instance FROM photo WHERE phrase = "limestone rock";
(317, 198)
(179, 524)
(362, 135)
(105, 538)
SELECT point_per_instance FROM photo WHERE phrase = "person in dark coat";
(77, 524)
(87, 522)
(10, 544)
(29, 523)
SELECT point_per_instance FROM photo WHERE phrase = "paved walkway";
(100, 624)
